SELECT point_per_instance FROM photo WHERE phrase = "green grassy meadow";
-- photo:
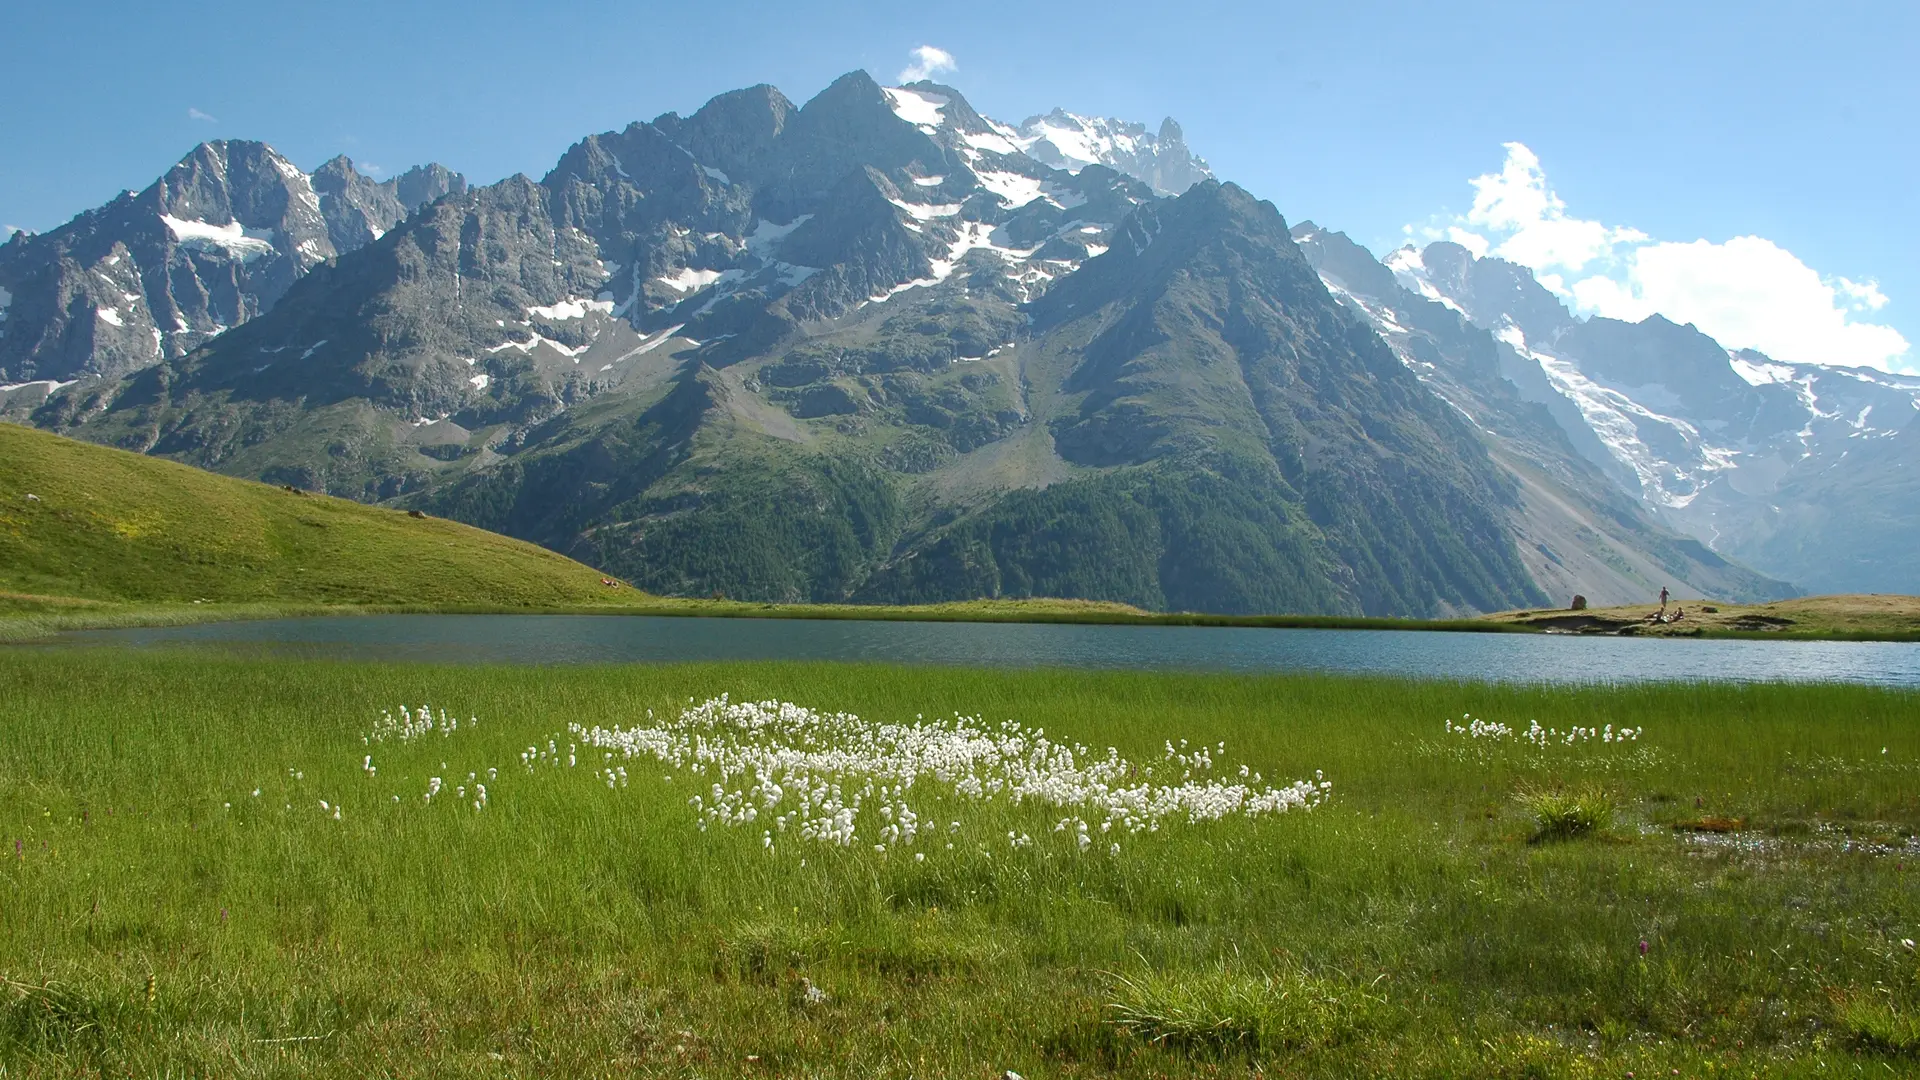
(1731, 897)
(81, 523)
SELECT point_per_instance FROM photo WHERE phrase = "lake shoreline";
(36, 618)
(563, 640)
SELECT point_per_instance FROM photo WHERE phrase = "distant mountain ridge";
(1578, 529)
(1707, 439)
(214, 242)
(1069, 141)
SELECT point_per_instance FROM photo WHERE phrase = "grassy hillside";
(88, 522)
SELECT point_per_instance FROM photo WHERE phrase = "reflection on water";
(580, 639)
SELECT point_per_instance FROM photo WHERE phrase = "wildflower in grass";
(1538, 736)
(832, 777)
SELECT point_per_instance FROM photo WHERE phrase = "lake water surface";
(584, 639)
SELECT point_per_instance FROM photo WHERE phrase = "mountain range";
(879, 347)
(1799, 470)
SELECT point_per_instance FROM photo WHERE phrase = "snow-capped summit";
(1069, 141)
(1059, 139)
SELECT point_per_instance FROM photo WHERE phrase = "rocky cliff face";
(359, 210)
(211, 244)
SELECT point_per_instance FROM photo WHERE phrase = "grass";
(1567, 815)
(1407, 927)
(80, 522)
(1224, 1012)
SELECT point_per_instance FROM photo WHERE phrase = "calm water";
(568, 639)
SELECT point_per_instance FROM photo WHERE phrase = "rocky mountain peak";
(423, 184)
(1487, 290)
(1069, 141)
(734, 132)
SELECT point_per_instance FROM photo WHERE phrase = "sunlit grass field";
(1731, 893)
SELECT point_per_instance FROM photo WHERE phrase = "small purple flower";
(1643, 946)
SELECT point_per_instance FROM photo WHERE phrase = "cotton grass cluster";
(834, 778)
(1542, 737)
(414, 724)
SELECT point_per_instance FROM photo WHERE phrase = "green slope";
(106, 524)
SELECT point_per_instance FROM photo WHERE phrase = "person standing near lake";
(1663, 599)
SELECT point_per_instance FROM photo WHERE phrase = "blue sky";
(1749, 166)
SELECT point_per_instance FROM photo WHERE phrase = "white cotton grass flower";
(414, 724)
(829, 778)
(1540, 737)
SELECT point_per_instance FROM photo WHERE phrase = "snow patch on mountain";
(1620, 422)
(1001, 140)
(1410, 270)
(571, 309)
(689, 280)
(1072, 142)
(1760, 374)
(1080, 141)
(243, 243)
(926, 211)
(766, 235)
(917, 107)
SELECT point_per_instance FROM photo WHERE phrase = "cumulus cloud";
(926, 62)
(205, 118)
(1747, 293)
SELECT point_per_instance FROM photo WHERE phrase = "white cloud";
(1516, 204)
(205, 118)
(1746, 293)
(370, 169)
(1472, 241)
(927, 62)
